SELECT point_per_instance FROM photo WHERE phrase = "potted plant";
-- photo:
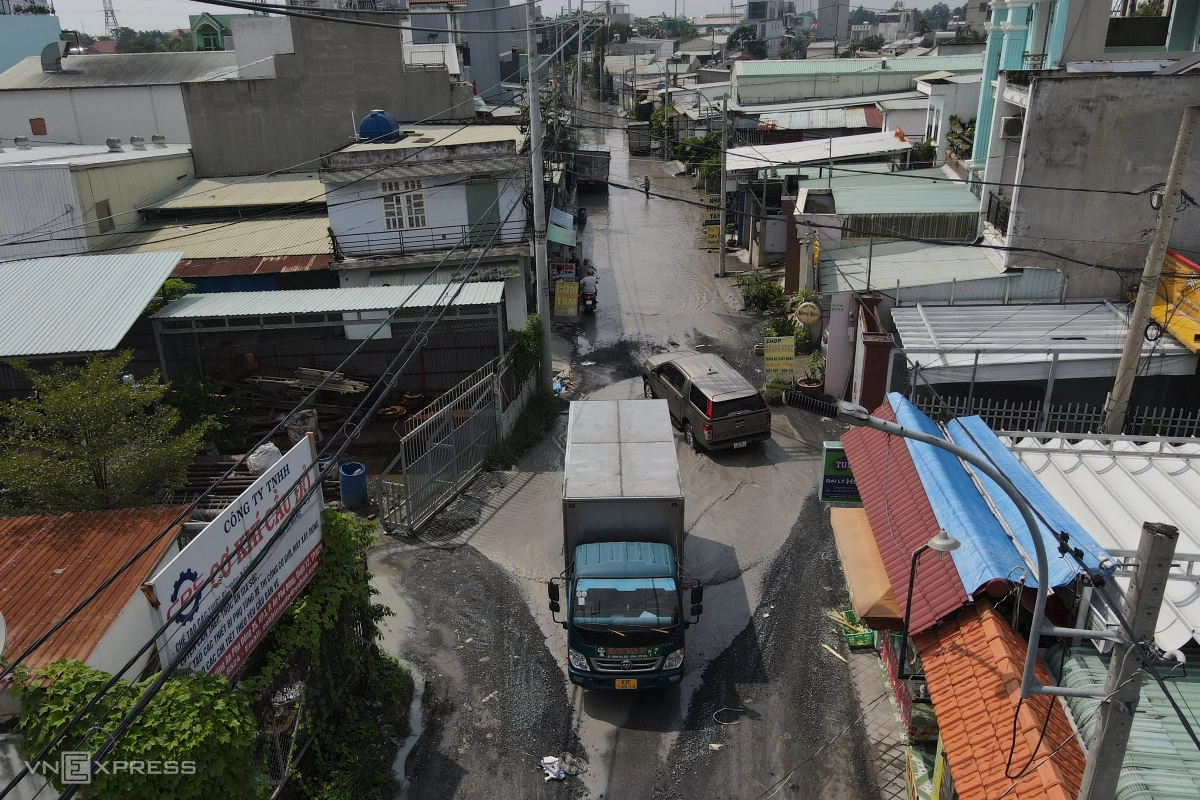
(813, 382)
(773, 392)
(804, 344)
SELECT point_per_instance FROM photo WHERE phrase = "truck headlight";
(577, 660)
(674, 660)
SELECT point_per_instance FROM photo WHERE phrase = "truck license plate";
(736, 445)
(626, 683)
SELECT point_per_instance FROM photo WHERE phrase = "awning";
(560, 235)
(867, 581)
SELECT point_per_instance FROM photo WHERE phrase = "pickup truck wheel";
(648, 390)
(689, 436)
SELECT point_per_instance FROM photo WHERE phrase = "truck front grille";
(618, 664)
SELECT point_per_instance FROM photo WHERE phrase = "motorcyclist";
(588, 285)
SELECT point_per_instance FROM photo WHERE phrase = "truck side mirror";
(697, 595)
(697, 609)
(552, 591)
(554, 607)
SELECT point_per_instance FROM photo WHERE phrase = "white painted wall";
(909, 120)
(356, 215)
(132, 628)
(259, 39)
(89, 116)
(34, 204)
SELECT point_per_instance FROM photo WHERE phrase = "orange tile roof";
(48, 564)
(973, 667)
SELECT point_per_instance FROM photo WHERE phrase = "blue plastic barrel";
(352, 481)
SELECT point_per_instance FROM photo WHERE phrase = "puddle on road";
(394, 631)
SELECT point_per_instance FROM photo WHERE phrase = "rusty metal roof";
(50, 563)
(902, 520)
(254, 265)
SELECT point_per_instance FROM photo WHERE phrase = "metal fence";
(443, 447)
(1003, 415)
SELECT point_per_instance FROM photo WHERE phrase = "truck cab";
(622, 592)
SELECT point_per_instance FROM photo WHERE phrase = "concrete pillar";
(791, 254)
(1015, 30)
(987, 96)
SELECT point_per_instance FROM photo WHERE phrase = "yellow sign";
(712, 212)
(712, 236)
(566, 299)
(816, 251)
(779, 356)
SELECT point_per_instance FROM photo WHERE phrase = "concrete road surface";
(764, 710)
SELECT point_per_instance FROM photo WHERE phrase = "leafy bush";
(525, 348)
(194, 718)
(773, 391)
(765, 296)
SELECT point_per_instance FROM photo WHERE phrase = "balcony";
(998, 209)
(1033, 61)
(420, 240)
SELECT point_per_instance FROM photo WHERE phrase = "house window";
(37, 126)
(403, 204)
(104, 217)
(210, 39)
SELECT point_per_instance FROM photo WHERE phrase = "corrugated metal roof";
(918, 191)
(813, 151)
(1160, 760)
(901, 521)
(849, 66)
(49, 564)
(76, 304)
(913, 104)
(909, 264)
(424, 136)
(1111, 485)
(1017, 343)
(266, 190)
(827, 102)
(972, 666)
(331, 301)
(269, 236)
(255, 265)
(816, 118)
(122, 69)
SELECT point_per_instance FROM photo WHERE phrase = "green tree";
(740, 37)
(140, 44)
(686, 31)
(937, 17)
(622, 30)
(1149, 8)
(194, 719)
(784, 52)
(647, 28)
(91, 440)
(874, 42)
(756, 48)
(861, 16)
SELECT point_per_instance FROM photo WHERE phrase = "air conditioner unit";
(1011, 128)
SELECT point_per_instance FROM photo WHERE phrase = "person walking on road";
(646, 185)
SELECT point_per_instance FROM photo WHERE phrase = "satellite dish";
(807, 313)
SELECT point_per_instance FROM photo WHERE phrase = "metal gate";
(441, 450)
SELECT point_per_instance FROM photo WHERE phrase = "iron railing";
(1080, 418)
(1033, 61)
(415, 240)
(998, 209)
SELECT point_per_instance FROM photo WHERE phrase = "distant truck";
(623, 548)
(639, 137)
(591, 168)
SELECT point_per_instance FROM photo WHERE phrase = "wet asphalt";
(757, 538)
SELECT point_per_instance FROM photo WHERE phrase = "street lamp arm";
(858, 416)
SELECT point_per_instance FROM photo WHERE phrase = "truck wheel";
(648, 390)
(689, 436)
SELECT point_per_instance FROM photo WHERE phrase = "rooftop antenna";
(110, 20)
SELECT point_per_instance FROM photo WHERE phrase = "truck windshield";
(626, 603)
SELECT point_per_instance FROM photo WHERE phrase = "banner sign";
(562, 272)
(837, 484)
(779, 356)
(566, 299)
(561, 218)
(270, 589)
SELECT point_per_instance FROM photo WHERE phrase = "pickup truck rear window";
(739, 405)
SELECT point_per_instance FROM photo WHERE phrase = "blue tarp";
(972, 433)
(986, 553)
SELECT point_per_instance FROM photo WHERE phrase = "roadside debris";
(557, 768)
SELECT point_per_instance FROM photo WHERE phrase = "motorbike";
(581, 216)
(588, 302)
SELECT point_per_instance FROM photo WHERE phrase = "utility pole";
(1118, 401)
(1124, 683)
(579, 68)
(542, 271)
(721, 190)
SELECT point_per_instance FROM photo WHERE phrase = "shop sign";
(566, 299)
(837, 484)
(779, 356)
(562, 272)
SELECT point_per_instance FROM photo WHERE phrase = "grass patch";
(536, 420)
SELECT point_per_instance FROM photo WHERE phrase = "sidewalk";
(882, 724)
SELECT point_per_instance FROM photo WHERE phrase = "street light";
(942, 543)
(856, 415)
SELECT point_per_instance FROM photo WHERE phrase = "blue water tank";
(352, 480)
(379, 126)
